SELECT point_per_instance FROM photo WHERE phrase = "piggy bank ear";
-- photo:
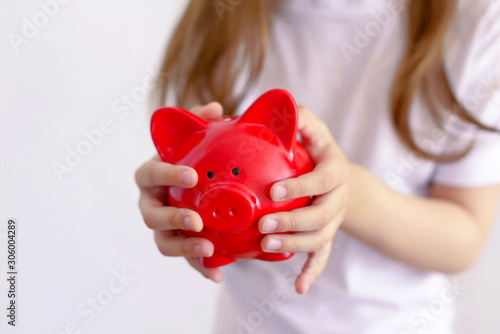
(276, 110)
(170, 127)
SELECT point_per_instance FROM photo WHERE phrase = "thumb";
(209, 111)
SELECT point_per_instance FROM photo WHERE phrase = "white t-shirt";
(339, 58)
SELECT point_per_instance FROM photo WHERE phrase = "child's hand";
(316, 224)
(152, 178)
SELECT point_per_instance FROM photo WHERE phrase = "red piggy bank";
(237, 160)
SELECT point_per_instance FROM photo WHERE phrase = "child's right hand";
(152, 178)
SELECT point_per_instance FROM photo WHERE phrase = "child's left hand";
(316, 224)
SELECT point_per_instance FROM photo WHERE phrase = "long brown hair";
(211, 45)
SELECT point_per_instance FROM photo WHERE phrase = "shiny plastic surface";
(237, 161)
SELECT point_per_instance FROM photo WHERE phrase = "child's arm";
(444, 232)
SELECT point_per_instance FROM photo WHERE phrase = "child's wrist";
(357, 187)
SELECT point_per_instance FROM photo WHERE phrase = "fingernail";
(270, 225)
(198, 250)
(280, 192)
(273, 244)
(306, 287)
(188, 223)
(186, 177)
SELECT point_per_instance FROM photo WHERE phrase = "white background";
(75, 234)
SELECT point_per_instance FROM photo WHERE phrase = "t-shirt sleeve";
(472, 64)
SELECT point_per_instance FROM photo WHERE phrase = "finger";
(171, 244)
(315, 133)
(196, 109)
(215, 274)
(209, 111)
(313, 267)
(303, 242)
(157, 173)
(322, 179)
(316, 216)
(160, 217)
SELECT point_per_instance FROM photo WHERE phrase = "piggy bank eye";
(210, 175)
(236, 171)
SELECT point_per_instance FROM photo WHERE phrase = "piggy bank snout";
(226, 209)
